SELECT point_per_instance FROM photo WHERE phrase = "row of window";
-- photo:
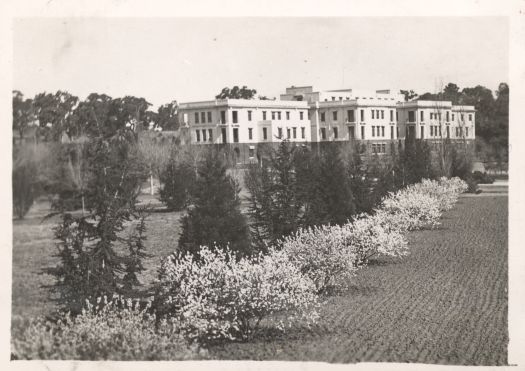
(436, 116)
(379, 148)
(207, 135)
(206, 117)
(350, 115)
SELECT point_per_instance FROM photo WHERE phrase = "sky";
(188, 59)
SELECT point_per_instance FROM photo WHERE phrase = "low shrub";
(410, 210)
(372, 235)
(117, 329)
(323, 254)
(216, 295)
(482, 178)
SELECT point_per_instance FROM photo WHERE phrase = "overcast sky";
(187, 59)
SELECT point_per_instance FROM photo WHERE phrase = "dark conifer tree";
(214, 218)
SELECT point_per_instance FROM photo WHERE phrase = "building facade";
(372, 118)
(243, 124)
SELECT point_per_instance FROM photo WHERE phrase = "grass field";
(444, 303)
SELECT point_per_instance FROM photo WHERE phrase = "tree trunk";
(151, 184)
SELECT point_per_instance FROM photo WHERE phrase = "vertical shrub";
(95, 258)
(177, 180)
(214, 216)
(23, 181)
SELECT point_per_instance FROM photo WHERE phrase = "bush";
(110, 330)
(177, 179)
(482, 178)
(215, 294)
(410, 210)
(323, 254)
(24, 186)
(372, 235)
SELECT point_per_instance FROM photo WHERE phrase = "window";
(303, 133)
(294, 133)
(453, 117)
(439, 116)
(432, 131)
(288, 115)
(362, 115)
(280, 133)
(210, 135)
(196, 117)
(373, 130)
(460, 132)
(251, 152)
(383, 147)
(203, 117)
(350, 114)
(397, 132)
(235, 135)
(279, 115)
(457, 132)
(397, 116)
(362, 131)
(223, 133)
(301, 115)
(209, 116)
(264, 115)
(333, 98)
(448, 131)
(265, 133)
(422, 118)
(448, 116)
(351, 134)
(373, 114)
(235, 118)
(391, 132)
(470, 116)
(334, 115)
(382, 114)
(422, 132)
(335, 133)
(377, 113)
(466, 132)
(340, 98)
(323, 133)
(288, 133)
(322, 117)
(198, 135)
(411, 116)
(431, 116)
(440, 130)
(382, 131)
(250, 133)
(273, 115)
(249, 115)
(223, 118)
(204, 135)
(391, 115)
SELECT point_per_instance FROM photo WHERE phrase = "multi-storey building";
(243, 124)
(373, 118)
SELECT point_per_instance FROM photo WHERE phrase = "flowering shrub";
(215, 295)
(371, 235)
(409, 210)
(114, 330)
(446, 191)
(323, 254)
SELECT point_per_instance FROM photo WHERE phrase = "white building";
(244, 123)
(436, 120)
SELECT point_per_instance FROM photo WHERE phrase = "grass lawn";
(444, 303)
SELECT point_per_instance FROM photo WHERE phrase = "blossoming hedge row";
(219, 295)
(114, 329)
